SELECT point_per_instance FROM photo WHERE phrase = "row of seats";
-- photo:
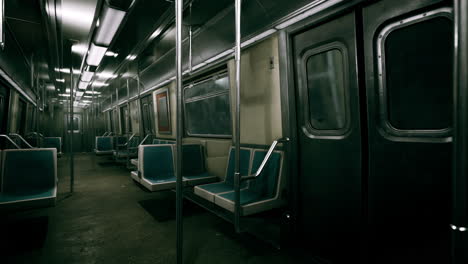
(156, 168)
(156, 172)
(257, 195)
(28, 177)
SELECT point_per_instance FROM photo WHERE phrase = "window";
(326, 91)
(207, 108)
(415, 71)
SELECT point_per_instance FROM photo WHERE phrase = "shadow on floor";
(164, 208)
(22, 235)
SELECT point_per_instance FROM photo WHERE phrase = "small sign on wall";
(163, 111)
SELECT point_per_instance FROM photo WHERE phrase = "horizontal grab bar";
(266, 159)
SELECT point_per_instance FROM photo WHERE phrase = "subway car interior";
(230, 131)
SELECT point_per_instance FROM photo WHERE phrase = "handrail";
(126, 144)
(144, 139)
(11, 141)
(266, 159)
(105, 134)
(21, 138)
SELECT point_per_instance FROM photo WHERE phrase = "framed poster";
(163, 111)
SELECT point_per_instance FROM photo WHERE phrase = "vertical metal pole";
(237, 132)
(94, 112)
(190, 40)
(72, 162)
(460, 137)
(179, 194)
(140, 108)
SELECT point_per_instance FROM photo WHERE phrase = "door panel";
(408, 63)
(327, 100)
(147, 114)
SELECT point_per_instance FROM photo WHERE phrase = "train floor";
(110, 219)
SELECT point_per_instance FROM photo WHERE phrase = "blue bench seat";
(53, 142)
(156, 167)
(262, 192)
(104, 146)
(194, 170)
(209, 191)
(34, 184)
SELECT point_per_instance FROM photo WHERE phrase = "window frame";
(308, 128)
(207, 96)
(386, 127)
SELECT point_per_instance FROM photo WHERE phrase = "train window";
(325, 71)
(416, 75)
(207, 108)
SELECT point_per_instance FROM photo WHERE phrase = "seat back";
(104, 143)
(134, 142)
(266, 184)
(29, 170)
(53, 142)
(156, 162)
(120, 140)
(193, 156)
(156, 141)
(245, 154)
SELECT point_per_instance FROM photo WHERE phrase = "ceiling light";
(92, 92)
(60, 80)
(106, 75)
(131, 57)
(111, 54)
(86, 76)
(95, 55)
(79, 94)
(86, 101)
(87, 96)
(79, 48)
(100, 84)
(110, 21)
(65, 95)
(83, 85)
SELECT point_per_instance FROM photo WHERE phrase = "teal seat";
(262, 191)
(130, 150)
(53, 142)
(35, 183)
(104, 146)
(156, 167)
(193, 156)
(156, 141)
(208, 191)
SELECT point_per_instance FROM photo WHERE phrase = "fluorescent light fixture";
(83, 85)
(106, 75)
(92, 92)
(79, 48)
(109, 23)
(86, 101)
(87, 96)
(111, 54)
(60, 80)
(100, 84)
(95, 55)
(131, 57)
(50, 87)
(86, 76)
(79, 94)
(64, 95)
